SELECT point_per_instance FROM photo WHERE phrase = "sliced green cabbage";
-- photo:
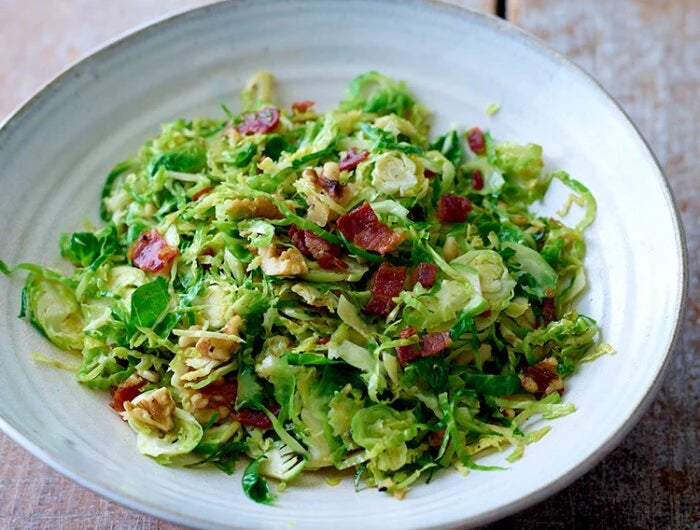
(183, 439)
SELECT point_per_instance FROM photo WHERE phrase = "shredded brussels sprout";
(322, 290)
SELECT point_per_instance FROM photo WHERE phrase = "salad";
(315, 290)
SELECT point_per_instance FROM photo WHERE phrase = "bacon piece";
(388, 283)
(332, 187)
(477, 180)
(476, 141)
(220, 394)
(485, 314)
(302, 106)
(326, 254)
(257, 418)
(425, 273)
(435, 438)
(151, 253)
(435, 342)
(549, 312)
(429, 174)
(542, 378)
(362, 227)
(357, 220)
(430, 345)
(407, 332)
(125, 391)
(202, 192)
(323, 340)
(408, 353)
(296, 234)
(351, 158)
(260, 121)
(453, 209)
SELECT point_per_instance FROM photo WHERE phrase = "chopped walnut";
(331, 170)
(290, 262)
(155, 408)
(318, 213)
(248, 208)
(221, 349)
(542, 378)
(203, 406)
(450, 250)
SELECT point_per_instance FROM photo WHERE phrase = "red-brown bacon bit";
(349, 159)
(220, 394)
(477, 180)
(151, 253)
(408, 353)
(302, 106)
(363, 228)
(257, 418)
(125, 391)
(407, 332)
(549, 312)
(425, 273)
(202, 192)
(435, 342)
(542, 378)
(261, 121)
(429, 174)
(453, 208)
(332, 187)
(476, 140)
(326, 254)
(388, 283)
(430, 345)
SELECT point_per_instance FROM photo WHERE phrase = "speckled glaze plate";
(56, 150)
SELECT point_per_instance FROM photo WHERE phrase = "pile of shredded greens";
(318, 290)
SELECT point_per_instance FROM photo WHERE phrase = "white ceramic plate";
(56, 150)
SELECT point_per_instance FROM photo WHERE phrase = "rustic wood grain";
(647, 54)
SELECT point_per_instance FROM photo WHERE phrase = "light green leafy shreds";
(234, 303)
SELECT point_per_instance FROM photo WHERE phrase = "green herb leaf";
(149, 302)
(254, 484)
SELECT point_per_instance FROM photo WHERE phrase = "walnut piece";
(155, 407)
(291, 262)
(221, 349)
(249, 208)
(542, 378)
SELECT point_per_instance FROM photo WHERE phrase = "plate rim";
(502, 26)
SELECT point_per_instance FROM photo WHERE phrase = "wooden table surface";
(645, 52)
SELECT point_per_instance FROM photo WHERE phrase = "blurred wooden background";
(646, 53)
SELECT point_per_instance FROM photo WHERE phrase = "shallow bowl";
(56, 150)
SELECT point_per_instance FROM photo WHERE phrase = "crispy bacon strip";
(351, 158)
(326, 254)
(151, 253)
(125, 391)
(430, 345)
(453, 208)
(261, 121)
(406, 354)
(388, 283)
(435, 342)
(363, 228)
(257, 418)
(425, 273)
(549, 312)
(476, 141)
(302, 106)
(332, 187)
